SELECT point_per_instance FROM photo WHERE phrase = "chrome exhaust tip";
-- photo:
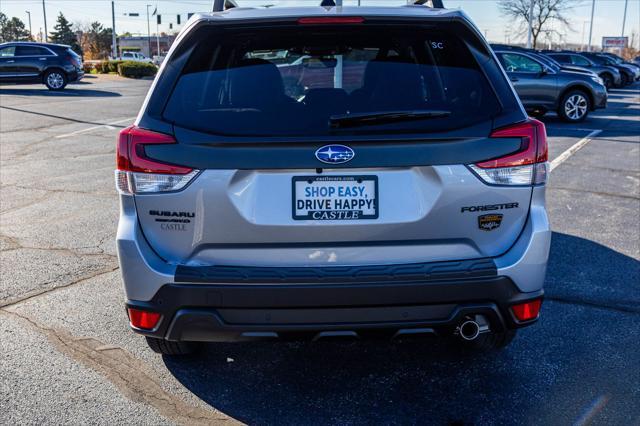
(471, 328)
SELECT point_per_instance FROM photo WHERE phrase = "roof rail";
(220, 5)
(435, 4)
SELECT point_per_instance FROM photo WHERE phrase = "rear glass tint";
(296, 80)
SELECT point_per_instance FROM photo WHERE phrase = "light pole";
(624, 21)
(148, 31)
(624, 17)
(158, 37)
(31, 32)
(114, 47)
(44, 13)
(593, 8)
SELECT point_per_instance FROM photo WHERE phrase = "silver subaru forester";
(321, 172)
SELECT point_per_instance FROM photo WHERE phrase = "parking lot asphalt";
(67, 355)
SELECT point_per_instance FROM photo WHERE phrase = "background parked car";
(135, 56)
(627, 74)
(620, 61)
(547, 60)
(544, 88)
(610, 75)
(53, 65)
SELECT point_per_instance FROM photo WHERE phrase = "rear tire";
(624, 80)
(166, 347)
(55, 79)
(574, 106)
(607, 79)
(490, 341)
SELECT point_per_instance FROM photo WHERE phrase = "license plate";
(335, 197)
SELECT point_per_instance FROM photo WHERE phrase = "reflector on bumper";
(528, 310)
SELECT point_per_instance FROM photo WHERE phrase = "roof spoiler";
(435, 4)
(221, 5)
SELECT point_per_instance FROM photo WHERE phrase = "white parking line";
(88, 129)
(569, 129)
(569, 152)
(594, 408)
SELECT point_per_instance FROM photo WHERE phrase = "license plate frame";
(335, 178)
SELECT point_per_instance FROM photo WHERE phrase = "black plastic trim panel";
(227, 312)
(421, 272)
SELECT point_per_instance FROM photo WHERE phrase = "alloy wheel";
(55, 80)
(576, 106)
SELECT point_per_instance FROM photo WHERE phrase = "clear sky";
(607, 22)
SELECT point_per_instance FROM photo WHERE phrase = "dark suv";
(543, 87)
(53, 65)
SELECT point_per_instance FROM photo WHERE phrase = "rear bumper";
(219, 312)
(213, 303)
(76, 75)
(600, 98)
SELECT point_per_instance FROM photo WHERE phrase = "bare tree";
(95, 40)
(544, 13)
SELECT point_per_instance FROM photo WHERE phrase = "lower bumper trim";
(240, 312)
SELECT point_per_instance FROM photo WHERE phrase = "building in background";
(145, 45)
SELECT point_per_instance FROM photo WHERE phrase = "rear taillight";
(137, 173)
(525, 167)
(73, 61)
(527, 311)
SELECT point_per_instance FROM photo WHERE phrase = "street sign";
(619, 42)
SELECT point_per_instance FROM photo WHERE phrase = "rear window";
(565, 59)
(301, 80)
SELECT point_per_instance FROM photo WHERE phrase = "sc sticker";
(437, 45)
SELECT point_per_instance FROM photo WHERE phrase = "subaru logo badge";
(335, 154)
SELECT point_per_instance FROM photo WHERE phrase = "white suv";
(389, 183)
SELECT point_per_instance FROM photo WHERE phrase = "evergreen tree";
(12, 29)
(63, 34)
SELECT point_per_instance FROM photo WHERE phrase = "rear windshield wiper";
(372, 118)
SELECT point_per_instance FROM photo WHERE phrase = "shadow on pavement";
(624, 124)
(59, 117)
(427, 381)
(69, 91)
(585, 272)
(619, 118)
